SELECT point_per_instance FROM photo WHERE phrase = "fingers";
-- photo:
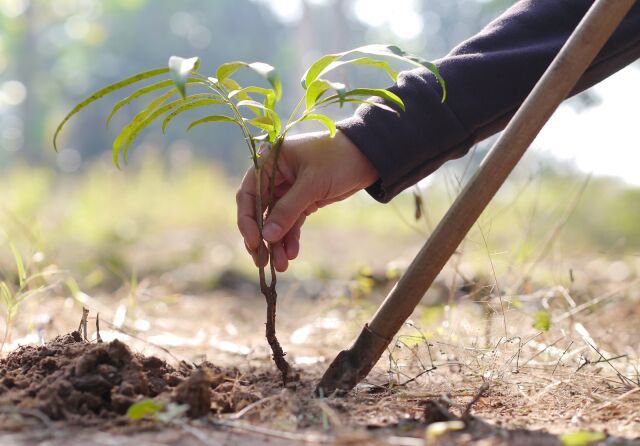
(286, 212)
(280, 257)
(292, 240)
(280, 260)
(264, 255)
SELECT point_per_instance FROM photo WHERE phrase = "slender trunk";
(269, 290)
(27, 66)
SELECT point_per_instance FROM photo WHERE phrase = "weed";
(13, 295)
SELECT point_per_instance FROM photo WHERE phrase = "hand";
(313, 170)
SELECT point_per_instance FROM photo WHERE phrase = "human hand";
(313, 170)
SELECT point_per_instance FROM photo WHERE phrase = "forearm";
(487, 78)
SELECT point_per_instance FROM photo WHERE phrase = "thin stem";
(268, 290)
(293, 113)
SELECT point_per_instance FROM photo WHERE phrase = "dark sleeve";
(487, 78)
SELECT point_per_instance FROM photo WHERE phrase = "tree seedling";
(252, 109)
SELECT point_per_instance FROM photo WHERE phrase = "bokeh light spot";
(69, 160)
(13, 8)
(13, 92)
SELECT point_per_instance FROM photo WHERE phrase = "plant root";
(289, 375)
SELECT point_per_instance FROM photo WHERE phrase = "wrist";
(364, 170)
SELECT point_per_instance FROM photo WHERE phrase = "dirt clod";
(85, 383)
(195, 392)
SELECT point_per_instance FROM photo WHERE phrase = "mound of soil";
(82, 382)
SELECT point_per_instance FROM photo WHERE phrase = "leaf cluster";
(252, 107)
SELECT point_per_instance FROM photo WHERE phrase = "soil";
(71, 391)
(86, 383)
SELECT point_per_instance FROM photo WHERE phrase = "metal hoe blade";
(354, 364)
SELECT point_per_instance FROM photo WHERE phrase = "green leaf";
(319, 67)
(253, 103)
(270, 73)
(251, 89)
(268, 112)
(137, 119)
(381, 64)
(22, 273)
(542, 320)
(188, 106)
(228, 83)
(318, 87)
(361, 101)
(581, 438)
(137, 94)
(263, 69)
(181, 69)
(243, 94)
(324, 120)
(146, 117)
(143, 91)
(212, 118)
(262, 122)
(6, 295)
(381, 93)
(227, 69)
(235, 90)
(143, 408)
(103, 92)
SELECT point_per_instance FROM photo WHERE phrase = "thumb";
(287, 210)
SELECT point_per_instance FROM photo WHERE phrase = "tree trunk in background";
(306, 45)
(340, 27)
(26, 68)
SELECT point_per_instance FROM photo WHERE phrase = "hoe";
(354, 364)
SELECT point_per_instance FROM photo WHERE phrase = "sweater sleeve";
(487, 78)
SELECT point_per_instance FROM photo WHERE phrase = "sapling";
(252, 109)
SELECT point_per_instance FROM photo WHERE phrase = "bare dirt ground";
(477, 360)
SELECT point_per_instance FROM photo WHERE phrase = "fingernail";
(271, 232)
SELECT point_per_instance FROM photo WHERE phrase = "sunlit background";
(53, 53)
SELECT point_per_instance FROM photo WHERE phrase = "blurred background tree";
(54, 53)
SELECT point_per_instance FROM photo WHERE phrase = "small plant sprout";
(252, 109)
(12, 295)
(156, 411)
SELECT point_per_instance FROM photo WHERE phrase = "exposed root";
(289, 375)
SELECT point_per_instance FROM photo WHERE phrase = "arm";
(487, 78)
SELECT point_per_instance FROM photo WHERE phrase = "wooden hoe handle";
(352, 365)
